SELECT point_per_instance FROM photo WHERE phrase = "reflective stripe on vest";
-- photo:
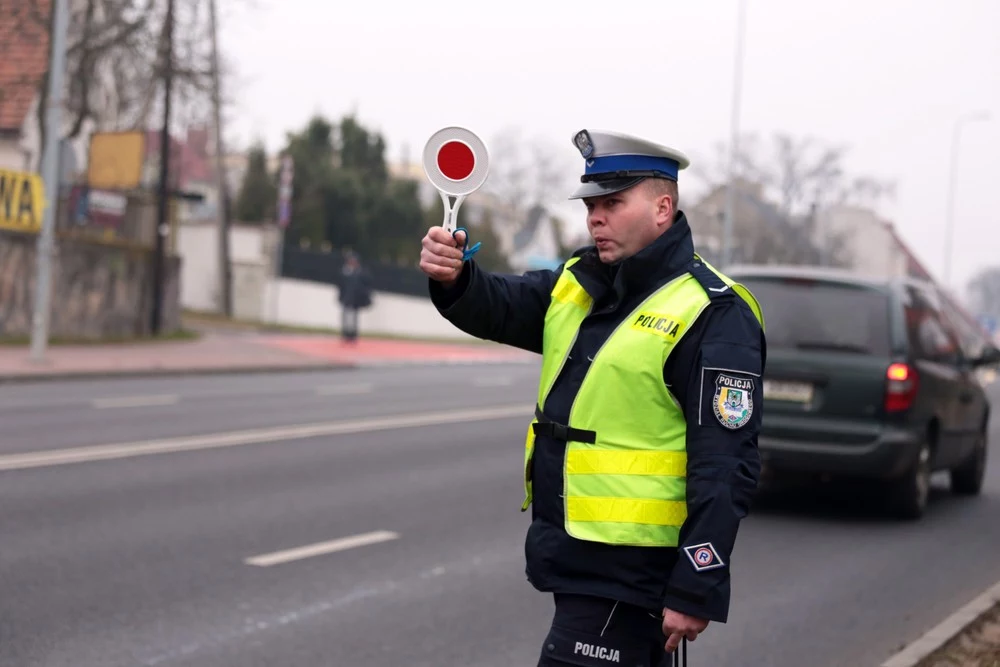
(629, 486)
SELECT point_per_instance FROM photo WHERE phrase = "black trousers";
(349, 324)
(595, 632)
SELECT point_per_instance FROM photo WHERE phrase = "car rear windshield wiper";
(830, 345)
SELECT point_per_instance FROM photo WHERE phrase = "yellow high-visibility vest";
(628, 486)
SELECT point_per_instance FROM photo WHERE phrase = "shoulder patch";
(733, 400)
(704, 557)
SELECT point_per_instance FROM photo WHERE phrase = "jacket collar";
(662, 260)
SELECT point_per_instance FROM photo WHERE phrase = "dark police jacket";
(723, 463)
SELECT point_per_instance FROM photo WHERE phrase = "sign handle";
(450, 223)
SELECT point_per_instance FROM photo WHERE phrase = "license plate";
(796, 392)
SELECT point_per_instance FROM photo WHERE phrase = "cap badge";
(584, 144)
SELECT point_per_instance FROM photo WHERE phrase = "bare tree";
(116, 58)
(781, 192)
(526, 172)
(799, 174)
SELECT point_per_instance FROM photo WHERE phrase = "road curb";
(25, 378)
(942, 633)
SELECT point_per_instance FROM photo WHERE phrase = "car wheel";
(967, 479)
(908, 495)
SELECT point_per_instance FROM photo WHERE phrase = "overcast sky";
(889, 78)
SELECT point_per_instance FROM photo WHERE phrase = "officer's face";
(624, 223)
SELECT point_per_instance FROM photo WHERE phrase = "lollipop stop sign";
(456, 162)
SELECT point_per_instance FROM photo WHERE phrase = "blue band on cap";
(612, 163)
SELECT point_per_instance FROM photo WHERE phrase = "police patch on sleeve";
(733, 400)
(704, 557)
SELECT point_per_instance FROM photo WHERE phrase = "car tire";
(967, 479)
(908, 495)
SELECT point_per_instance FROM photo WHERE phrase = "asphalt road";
(174, 548)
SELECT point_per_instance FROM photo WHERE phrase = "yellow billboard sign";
(115, 160)
(22, 201)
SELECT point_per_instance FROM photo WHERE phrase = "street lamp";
(960, 122)
(728, 226)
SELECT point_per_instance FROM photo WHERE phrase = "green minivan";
(868, 378)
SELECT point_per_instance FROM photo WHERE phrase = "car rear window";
(809, 314)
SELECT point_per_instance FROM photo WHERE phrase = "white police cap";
(614, 162)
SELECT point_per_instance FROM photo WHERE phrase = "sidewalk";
(970, 636)
(228, 352)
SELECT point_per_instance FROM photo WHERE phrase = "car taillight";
(900, 387)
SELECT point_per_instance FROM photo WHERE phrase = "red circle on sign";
(704, 556)
(456, 160)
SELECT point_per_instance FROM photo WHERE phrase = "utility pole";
(50, 176)
(729, 226)
(225, 269)
(161, 211)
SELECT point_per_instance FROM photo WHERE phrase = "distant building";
(24, 60)
(761, 233)
(24, 45)
(870, 244)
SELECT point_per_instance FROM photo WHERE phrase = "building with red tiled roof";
(24, 54)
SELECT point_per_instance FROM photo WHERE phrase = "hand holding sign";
(441, 256)
(456, 162)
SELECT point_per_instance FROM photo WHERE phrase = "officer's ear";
(664, 194)
(666, 207)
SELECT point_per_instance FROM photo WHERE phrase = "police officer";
(642, 456)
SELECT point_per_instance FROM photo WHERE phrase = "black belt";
(547, 427)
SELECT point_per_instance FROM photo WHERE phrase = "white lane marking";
(322, 548)
(134, 401)
(344, 389)
(251, 626)
(497, 381)
(55, 457)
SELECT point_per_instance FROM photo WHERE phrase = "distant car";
(866, 378)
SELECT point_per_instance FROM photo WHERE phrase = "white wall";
(11, 156)
(257, 296)
(251, 253)
(305, 303)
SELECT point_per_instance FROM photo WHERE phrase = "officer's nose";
(595, 218)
